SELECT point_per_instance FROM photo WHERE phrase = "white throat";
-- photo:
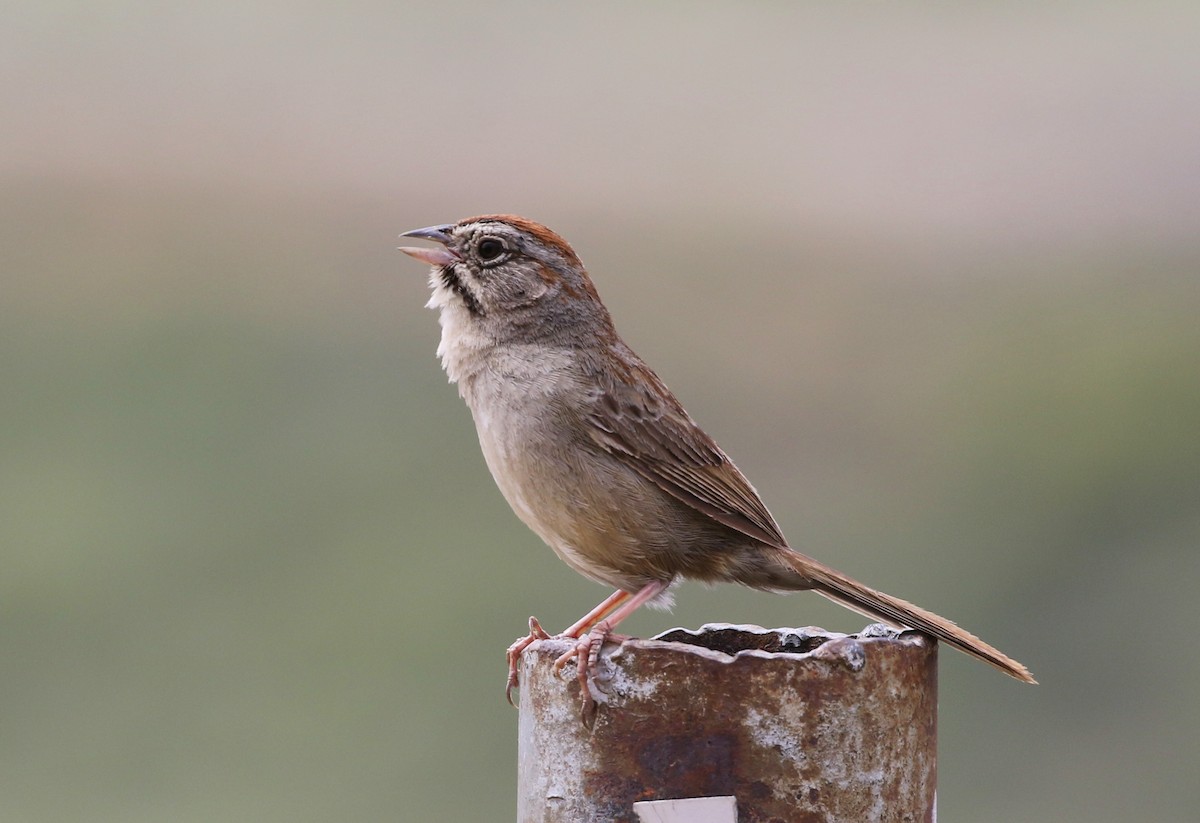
(462, 345)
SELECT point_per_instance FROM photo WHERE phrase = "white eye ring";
(491, 250)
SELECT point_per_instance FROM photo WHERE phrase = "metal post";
(793, 724)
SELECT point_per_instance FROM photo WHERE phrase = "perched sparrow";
(597, 456)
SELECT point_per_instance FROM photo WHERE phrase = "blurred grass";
(255, 567)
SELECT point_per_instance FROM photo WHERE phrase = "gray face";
(500, 276)
(500, 268)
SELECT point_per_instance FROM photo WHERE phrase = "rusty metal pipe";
(795, 724)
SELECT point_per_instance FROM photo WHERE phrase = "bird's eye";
(489, 249)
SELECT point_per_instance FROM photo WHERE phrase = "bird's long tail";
(899, 613)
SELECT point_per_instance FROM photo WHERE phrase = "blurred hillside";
(930, 275)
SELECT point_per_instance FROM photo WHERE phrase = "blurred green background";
(929, 273)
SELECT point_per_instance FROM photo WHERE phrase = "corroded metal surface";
(800, 725)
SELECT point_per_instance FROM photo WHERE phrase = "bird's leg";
(536, 632)
(597, 614)
(587, 651)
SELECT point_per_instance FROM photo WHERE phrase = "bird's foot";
(536, 633)
(586, 654)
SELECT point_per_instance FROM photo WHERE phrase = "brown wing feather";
(641, 422)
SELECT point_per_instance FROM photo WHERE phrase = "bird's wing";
(640, 422)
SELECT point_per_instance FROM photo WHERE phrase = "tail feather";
(899, 613)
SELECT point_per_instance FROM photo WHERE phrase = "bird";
(595, 454)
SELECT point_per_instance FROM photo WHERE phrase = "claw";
(587, 713)
(508, 688)
(536, 633)
(586, 654)
(588, 661)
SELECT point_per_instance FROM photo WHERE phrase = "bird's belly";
(594, 523)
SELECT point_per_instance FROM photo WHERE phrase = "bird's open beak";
(434, 257)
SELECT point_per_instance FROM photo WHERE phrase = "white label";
(688, 810)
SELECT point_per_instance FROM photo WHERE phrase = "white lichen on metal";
(619, 683)
(777, 730)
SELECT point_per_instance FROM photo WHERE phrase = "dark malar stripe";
(453, 282)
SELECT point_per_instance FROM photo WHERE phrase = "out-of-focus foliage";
(929, 274)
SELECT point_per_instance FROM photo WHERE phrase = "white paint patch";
(688, 810)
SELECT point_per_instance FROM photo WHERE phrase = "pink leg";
(536, 632)
(587, 651)
(597, 614)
